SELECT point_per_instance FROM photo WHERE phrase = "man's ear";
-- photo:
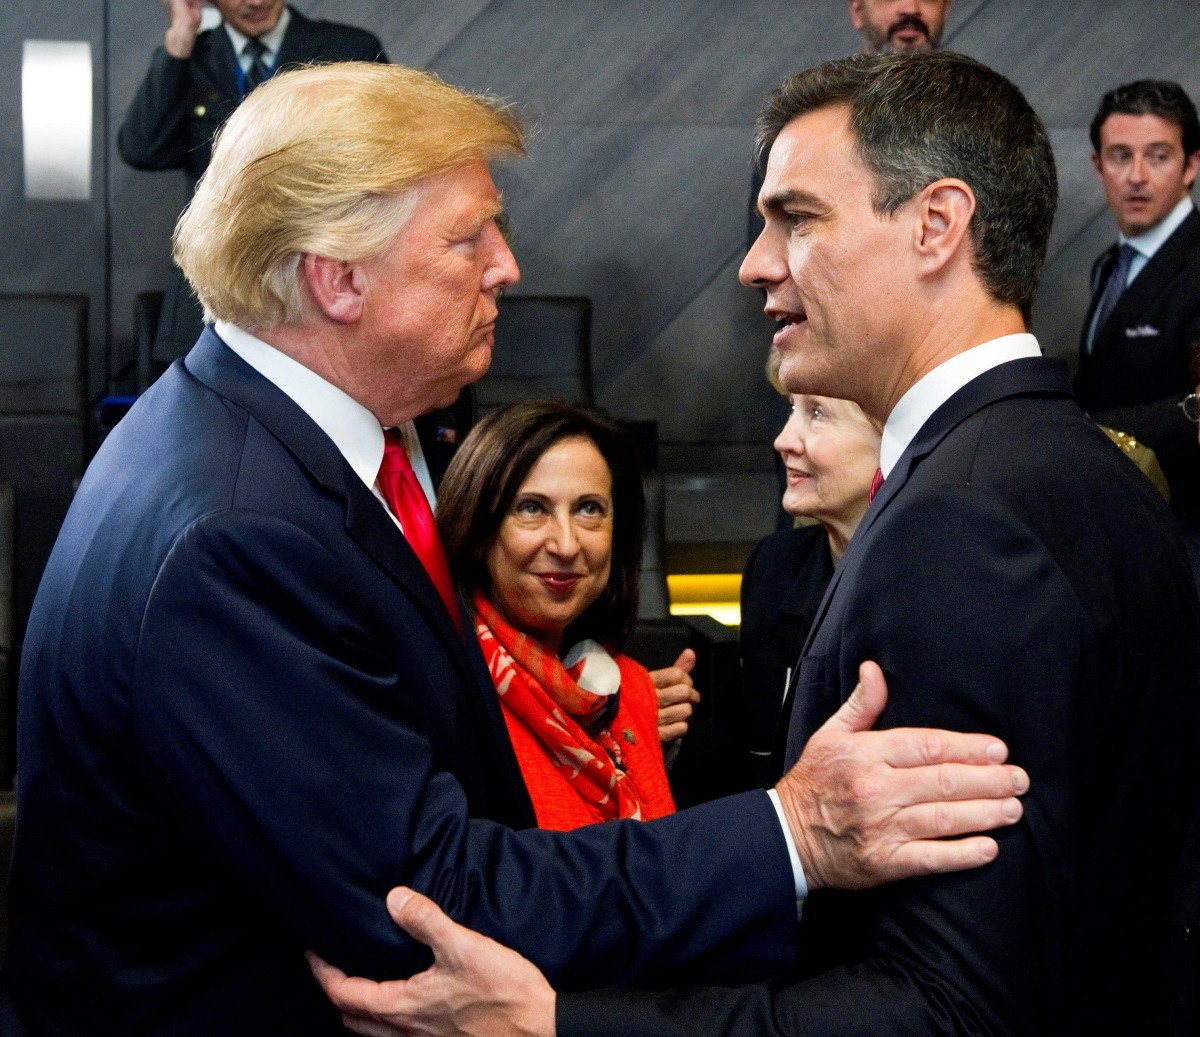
(945, 209)
(337, 287)
(856, 15)
(1191, 166)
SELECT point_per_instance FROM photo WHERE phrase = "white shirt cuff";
(797, 868)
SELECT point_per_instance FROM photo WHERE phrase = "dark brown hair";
(487, 471)
(919, 117)
(1158, 97)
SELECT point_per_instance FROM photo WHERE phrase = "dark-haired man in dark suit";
(1012, 572)
(1145, 308)
(195, 81)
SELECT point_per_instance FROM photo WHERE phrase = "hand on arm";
(475, 987)
(868, 807)
(676, 696)
(184, 26)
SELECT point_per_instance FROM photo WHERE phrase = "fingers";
(860, 711)
(686, 660)
(423, 920)
(352, 994)
(942, 819)
(934, 857)
(952, 781)
(672, 732)
(919, 747)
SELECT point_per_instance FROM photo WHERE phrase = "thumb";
(686, 660)
(420, 917)
(860, 711)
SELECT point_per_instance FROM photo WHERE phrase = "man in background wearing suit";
(1145, 307)
(1013, 571)
(195, 80)
(247, 705)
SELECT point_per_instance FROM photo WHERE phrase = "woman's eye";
(593, 508)
(527, 507)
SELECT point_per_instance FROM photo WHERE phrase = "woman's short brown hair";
(487, 471)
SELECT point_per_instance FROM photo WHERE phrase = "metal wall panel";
(636, 190)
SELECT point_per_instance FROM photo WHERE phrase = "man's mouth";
(786, 319)
(910, 29)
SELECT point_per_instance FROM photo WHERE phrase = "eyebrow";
(780, 199)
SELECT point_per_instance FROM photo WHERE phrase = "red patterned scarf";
(570, 722)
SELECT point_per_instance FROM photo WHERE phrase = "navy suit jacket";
(245, 714)
(1015, 575)
(783, 585)
(1139, 367)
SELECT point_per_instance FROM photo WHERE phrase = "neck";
(947, 332)
(840, 530)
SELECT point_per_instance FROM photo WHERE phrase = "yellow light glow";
(707, 594)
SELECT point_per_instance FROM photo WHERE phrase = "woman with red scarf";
(541, 514)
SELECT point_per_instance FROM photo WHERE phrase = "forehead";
(1123, 130)
(814, 153)
(463, 195)
(569, 462)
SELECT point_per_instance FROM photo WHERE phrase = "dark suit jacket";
(179, 107)
(1138, 369)
(245, 714)
(1015, 575)
(782, 586)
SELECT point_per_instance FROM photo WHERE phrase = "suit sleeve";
(982, 634)
(277, 723)
(153, 135)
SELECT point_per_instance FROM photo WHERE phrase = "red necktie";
(876, 482)
(404, 495)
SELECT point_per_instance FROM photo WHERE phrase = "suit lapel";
(1141, 297)
(367, 521)
(1015, 378)
(219, 63)
(297, 46)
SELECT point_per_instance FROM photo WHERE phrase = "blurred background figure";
(830, 452)
(1189, 523)
(195, 80)
(1134, 350)
(541, 514)
(893, 25)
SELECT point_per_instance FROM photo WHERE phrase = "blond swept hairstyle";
(326, 160)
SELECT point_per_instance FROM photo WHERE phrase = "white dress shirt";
(272, 40)
(918, 404)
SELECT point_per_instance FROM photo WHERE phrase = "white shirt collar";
(355, 431)
(1154, 239)
(918, 404)
(272, 40)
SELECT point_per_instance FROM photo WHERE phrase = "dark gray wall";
(636, 188)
